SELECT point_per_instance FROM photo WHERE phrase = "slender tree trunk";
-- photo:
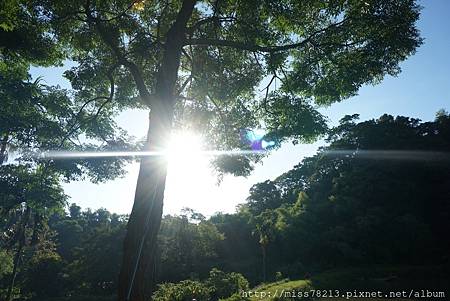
(264, 261)
(3, 144)
(14, 273)
(21, 238)
(136, 280)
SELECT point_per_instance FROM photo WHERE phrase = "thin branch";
(268, 87)
(245, 46)
(187, 55)
(204, 21)
(185, 83)
(77, 125)
(88, 102)
(109, 99)
(257, 61)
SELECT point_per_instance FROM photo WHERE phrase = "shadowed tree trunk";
(136, 280)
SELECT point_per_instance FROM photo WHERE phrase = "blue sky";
(421, 89)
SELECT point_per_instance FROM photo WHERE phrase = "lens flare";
(398, 155)
(138, 154)
(255, 139)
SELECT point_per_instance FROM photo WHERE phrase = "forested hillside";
(377, 194)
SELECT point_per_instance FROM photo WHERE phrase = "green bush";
(219, 285)
(185, 290)
(6, 263)
(223, 285)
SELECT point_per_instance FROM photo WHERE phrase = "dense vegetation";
(377, 194)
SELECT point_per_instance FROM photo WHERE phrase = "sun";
(184, 151)
(188, 170)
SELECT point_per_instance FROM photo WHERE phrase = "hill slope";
(367, 283)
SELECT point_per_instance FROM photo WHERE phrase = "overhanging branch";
(245, 46)
(262, 48)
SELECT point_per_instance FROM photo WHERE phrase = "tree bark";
(136, 280)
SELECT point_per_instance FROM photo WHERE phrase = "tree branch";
(114, 45)
(185, 83)
(244, 46)
(260, 48)
(267, 94)
(201, 22)
(76, 125)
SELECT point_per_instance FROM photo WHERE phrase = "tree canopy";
(309, 53)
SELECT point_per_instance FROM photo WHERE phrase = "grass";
(269, 290)
(361, 279)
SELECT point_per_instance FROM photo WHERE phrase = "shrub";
(219, 285)
(223, 285)
(185, 290)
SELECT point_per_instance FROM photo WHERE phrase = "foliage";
(313, 53)
(185, 290)
(36, 117)
(60, 260)
(218, 285)
(349, 205)
(90, 245)
(238, 251)
(188, 248)
(36, 187)
(82, 255)
(6, 263)
(45, 276)
(362, 199)
(224, 285)
(29, 196)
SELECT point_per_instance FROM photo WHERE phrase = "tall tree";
(198, 63)
(36, 117)
(29, 196)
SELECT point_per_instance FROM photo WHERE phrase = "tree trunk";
(264, 261)
(3, 144)
(136, 280)
(22, 241)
